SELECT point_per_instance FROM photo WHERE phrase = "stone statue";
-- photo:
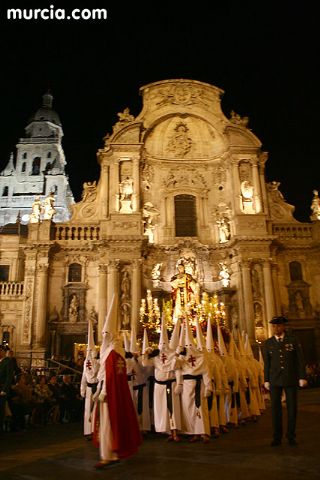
(155, 274)
(224, 275)
(74, 309)
(48, 207)
(258, 320)
(88, 189)
(315, 206)
(298, 300)
(224, 229)
(238, 120)
(93, 317)
(149, 213)
(185, 292)
(36, 210)
(126, 194)
(247, 191)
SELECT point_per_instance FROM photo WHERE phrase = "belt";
(197, 378)
(93, 386)
(140, 397)
(168, 383)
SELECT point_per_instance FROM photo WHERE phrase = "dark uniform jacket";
(283, 361)
(6, 374)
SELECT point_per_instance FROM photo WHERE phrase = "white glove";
(178, 389)
(267, 385)
(207, 392)
(82, 393)
(102, 397)
(303, 383)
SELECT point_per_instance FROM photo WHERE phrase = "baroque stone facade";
(181, 182)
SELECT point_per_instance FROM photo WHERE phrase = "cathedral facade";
(179, 184)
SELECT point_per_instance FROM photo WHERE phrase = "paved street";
(59, 452)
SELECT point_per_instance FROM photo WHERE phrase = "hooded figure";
(197, 386)
(89, 381)
(116, 428)
(138, 379)
(166, 400)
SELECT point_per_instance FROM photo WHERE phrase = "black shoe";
(292, 442)
(275, 443)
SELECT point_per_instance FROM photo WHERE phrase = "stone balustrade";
(10, 289)
(293, 232)
(77, 232)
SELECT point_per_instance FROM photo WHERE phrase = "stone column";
(263, 158)
(41, 315)
(114, 185)
(135, 292)
(104, 186)
(275, 280)
(257, 190)
(268, 292)
(112, 281)
(136, 185)
(248, 299)
(236, 183)
(103, 292)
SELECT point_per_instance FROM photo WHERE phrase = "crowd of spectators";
(37, 397)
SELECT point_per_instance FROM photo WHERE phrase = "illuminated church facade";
(180, 183)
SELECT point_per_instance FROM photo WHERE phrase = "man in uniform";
(284, 369)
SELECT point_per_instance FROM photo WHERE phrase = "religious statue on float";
(185, 292)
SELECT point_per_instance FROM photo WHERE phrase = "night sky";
(264, 55)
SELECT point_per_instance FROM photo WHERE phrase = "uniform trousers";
(276, 408)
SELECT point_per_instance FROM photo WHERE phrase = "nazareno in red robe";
(126, 436)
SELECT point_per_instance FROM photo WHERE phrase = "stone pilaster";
(135, 292)
(268, 291)
(248, 299)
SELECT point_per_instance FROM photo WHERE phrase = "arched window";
(185, 215)
(5, 191)
(74, 274)
(23, 167)
(24, 155)
(4, 273)
(36, 166)
(295, 271)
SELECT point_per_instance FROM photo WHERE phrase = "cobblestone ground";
(60, 452)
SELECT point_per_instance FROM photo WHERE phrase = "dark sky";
(264, 55)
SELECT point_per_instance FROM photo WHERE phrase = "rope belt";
(197, 378)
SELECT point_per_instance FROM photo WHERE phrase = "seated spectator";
(22, 403)
(71, 403)
(43, 401)
(54, 387)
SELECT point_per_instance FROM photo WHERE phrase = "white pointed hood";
(163, 340)
(145, 343)
(189, 339)
(221, 344)
(201, 343)
(174, 340)
(209, 339)
(241, 345)
(247, 346)
(133, 339)
(110, 335)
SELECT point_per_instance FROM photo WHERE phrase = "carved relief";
(125, 298)
(180, 94)
(219, 175)
(147, 174)
(185, 179)
(180, 143)
(238, 120)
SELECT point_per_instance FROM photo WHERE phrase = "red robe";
(126, 436)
